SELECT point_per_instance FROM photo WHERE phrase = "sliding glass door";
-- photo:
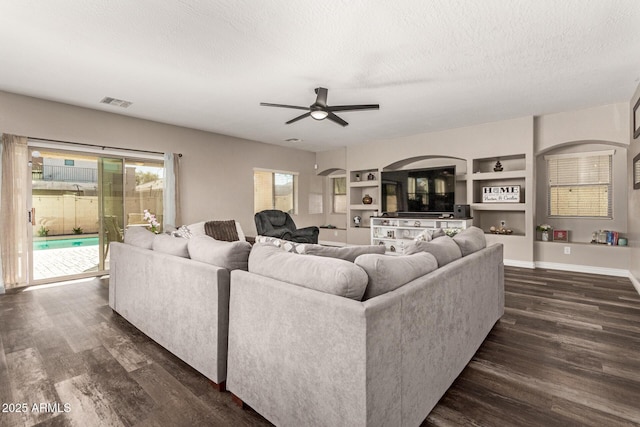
(80, 203)
(111, 206)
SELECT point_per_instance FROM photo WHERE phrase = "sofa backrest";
(328, 275)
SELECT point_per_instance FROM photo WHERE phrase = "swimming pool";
(64, 243)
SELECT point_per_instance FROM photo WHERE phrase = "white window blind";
(339, 194)
(580, 185)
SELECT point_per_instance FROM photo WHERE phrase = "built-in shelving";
(363, 183)
(398, 233)
(511, 216)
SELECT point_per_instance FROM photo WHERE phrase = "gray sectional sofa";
(310, 335)
(305, 351)
(176, 291)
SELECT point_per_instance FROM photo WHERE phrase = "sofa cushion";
(140, 237)
(229, 255)
(198, 229)
(347, 253)
(443, 248)
(387, 273)
(470, 240)
(328, 275)
(168, 244)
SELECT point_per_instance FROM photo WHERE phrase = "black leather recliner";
(275, 223)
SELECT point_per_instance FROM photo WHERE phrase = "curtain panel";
(14, 237)
(171, 199)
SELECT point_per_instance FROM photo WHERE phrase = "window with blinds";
(274, 190)
(339, 194)
(580, 185)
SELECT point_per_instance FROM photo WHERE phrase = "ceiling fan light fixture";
(319, 114)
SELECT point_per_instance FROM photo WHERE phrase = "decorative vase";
(371, 177)
(545, 236)
(367, 200)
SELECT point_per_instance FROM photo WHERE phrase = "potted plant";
(77, 230)
(544, 228)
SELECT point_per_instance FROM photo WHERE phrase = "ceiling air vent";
(115, 102)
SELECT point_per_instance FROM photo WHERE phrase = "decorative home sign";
(501, 194)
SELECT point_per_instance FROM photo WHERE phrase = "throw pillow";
(139, 236)
(328, 275)
(229, 255)
(168, 244)
(182, 231)
(347, 253)
(429, 234)
(387, 273)
(222, 230)
(443, 248)
(285, 245)
(198, 228)
(470, 240)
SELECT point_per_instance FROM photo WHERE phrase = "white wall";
(216, 170)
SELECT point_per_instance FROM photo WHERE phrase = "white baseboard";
(518, 263)
(635, 282)
(583, 269)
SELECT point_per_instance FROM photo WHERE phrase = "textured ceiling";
(431, 65)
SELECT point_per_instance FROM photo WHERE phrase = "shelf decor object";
(367, 200)
(498, 166)
(560, 235)
(501, 194)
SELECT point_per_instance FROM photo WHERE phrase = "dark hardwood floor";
(566, 352)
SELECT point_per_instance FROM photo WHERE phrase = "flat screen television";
(428, 191)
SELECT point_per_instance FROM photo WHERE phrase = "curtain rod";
(97, 146)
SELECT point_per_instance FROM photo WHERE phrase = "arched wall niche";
(579, 143)
(581, 229)
(332, 171)
(428, 161)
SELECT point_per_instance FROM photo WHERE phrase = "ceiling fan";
(319, 110)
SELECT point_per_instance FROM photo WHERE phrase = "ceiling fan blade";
(354, 107)
(298, 118)
(337, 119)
(266, 104)
(321, 99)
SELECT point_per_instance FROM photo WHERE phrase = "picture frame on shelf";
(560, 235)
(636, 119)
(636, 172)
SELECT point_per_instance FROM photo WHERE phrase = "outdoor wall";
(60, 214)
(216, 170)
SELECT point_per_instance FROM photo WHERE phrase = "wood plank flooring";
(566, 352)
